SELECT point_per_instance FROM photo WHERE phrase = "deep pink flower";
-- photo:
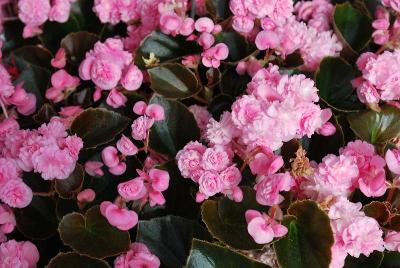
(110, 156)
(126, 146)
(18, 254)
(116, 99)
(137, 256)
(93, 168)
(393, 160)
(60, 60)
(121, 218)
(270, 186)
(132, 78)
(140, 127)
(7, 219)
(16, 194)
(134, 189)
(87, 195)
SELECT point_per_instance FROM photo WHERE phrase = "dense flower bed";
(202, 133)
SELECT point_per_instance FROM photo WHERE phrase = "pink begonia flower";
(242, 24)
(170, 23)
(93, 168)
(105, 64)
(263, 228)
(116, 99)
(139, 108)
(16, 194)
(221, 132)
(189, 160)
(62, 83)
(132, 78)
(6, 86)
(371, 179)
(134, 189)
(137, 256)
(266, 163)
(213, 56)
(206, 40)
(392, 157)
(267, 40)
(268, 189)
(317, 13)
(110, 157)
(7, 220)
(119, 169)
(121, 218)
(201, 115)
(327, 129)
(155, 112)
(86, 196)
(33, 13)
(187, 27)
(25, 102)
(204, 24)
(60, 60)
(60, 10)
(230, 179)
(354, 233)
(126, 147)
(140, 127)
(392, 241)
(395, 4)
(215, 159)
(209, 184)
(18, 254)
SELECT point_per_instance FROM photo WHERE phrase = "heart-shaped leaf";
(73, 259)
(92, 235)
(372, 261)
(38, 220)
(309, 240)
(225, 220)
(208, 255)
(76, 45)
(170, 238)
(333, 80)
(376, 127)
(173, 81)
(97, 126)
(178, 128)
(352, 26)
(70, 186)
(164, 47)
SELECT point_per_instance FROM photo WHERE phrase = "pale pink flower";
(18, 254)
(212, 57)
(222, 132)
(33, 14)
(140, 127)
(392, 241)
(230, 177)
(6, 86)
(137, 256)
(270, 186)
(266, 163)
(116, 99)
(263, 228)
(206, 40)
(139, 107)
(245, 110)
(16, 194)
(60, 10)
(204, 24)
(86, 196)
(132, 78)
(119, 169)
(126, 146)
(115, 11)
(189, 160)
(210, 184)
(170, 23)
(8, 170)
(121, 218)
(155, 112)
(392, 157)
(317, 13)
(215, 158)
(25, 102)
(93, 168)
(62, 84)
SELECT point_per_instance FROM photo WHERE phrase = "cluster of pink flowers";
(18, 254)
(384, 33)
(109, 65)
(317, 13)
(7, 222)
(137, 256)
(148, 114)
(380, 77)
(212, 169)
(34, 13)
(48, 150)
(357, 167)
(354, 233)
(24, 102)
(262, 227)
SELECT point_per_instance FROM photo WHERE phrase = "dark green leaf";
(309, 240)
(225, 220)
(170, 238)
(173, 81)
(38, 220)
(372, 261)
(220, 104)
(33, 55)
(234, 84)
(207, 255)
(164, 47)
(333, 80)
(92, 235)
(73, 260)
(237, 44)
(70, 186)
(353, 26)
(376, 127)
(178, 128)
(97, 126)
(391, 260)
(76, 45)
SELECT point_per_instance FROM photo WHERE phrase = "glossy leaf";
(92, 235)
(333, 80)
(237, 44)
(97, 126)
(208, 255)
(372, 261)
(376, 127)
(164, 47)
(72, 259)
(173, 81)
(352, 26)
(76, 45)
(70, 186)
(38, 220)
(178, 128)
(234, 84)
(225, 220)
(309, 239)
(170, 238)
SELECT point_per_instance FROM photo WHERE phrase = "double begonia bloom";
(120, 218)
(263, 228)
(18, 254)
(138, 255)
(269, 187)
